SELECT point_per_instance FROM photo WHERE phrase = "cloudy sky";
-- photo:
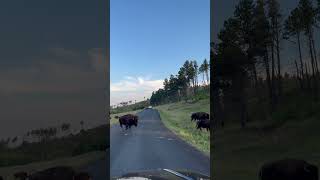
(51, 63)
(151, 39)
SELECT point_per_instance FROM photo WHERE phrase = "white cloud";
(133, 88)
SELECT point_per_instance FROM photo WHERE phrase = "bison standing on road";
(203, 123)
(128, 120)
(288, 169)
(199, 116)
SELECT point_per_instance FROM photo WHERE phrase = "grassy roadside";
(90, 140)
(291, 132)
(176, 117)
(241, 153)
(77, 162)
(113, 120)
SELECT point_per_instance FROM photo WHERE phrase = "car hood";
(163, 174)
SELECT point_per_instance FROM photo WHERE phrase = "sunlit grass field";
(176, 117)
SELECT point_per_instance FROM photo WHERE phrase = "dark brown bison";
(128, 120)
(199, 116)
(82, 176)
(20, 175)
(54, 173)
(203, 123)
(288, 169)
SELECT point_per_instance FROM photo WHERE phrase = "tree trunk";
(279, 65)
(203, 80)
(207, 76)
(307, 76)
(255, 74)
(316, 78)
(314, 72)
(298, 74)
(311, 54)
(274, 98)
(315, 55)
(273, 95)
(266, 64)
(300, 56)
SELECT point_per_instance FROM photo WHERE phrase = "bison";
(128, 120)
(199, 116)
(20, 175)
(203, 123)
(54, 173)
(82, 176)
(288, 169)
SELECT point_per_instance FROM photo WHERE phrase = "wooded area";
(248, 59)
(177, 87)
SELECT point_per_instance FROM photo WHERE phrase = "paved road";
(98, 170)
(151, 146)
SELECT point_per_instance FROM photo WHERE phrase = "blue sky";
(150, 39)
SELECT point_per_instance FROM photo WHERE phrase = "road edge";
(180, 138)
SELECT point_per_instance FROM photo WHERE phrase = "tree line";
(176, 86)
(249, 53)
(42, 134)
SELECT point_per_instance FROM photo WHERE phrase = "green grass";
(132, 107)
(77, 162)
(95, 139)
(114, 120)
(292, 131)
(176, 117)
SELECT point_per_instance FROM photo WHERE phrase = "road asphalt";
(151, 146)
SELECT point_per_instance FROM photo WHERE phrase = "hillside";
(73, 145)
